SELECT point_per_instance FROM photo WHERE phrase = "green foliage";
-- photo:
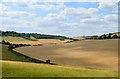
(32, 38)
(34, 35)
(48, 61)
(4, 42)
(104, 36)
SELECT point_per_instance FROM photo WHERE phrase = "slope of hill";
(12, 39)
(87, 53)
(8, 55)
(21, 69)
(20, 40)
(116, 33)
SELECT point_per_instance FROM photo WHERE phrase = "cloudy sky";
(60, 18)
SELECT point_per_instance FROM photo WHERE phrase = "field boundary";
(30, 58)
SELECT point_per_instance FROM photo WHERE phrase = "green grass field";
(8, 55)
(21, 69)
(12, 39)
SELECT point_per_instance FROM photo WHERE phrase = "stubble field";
(101, 54)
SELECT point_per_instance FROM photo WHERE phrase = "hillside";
(86, 53)
(12, 39)
(12, 68)
(20, 40)
(20, 69)
(116, 33)
(10, 56)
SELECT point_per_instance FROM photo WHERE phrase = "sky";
(59, 18)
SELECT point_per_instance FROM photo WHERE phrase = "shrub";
(48, 61)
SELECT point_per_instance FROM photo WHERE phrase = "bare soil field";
(101, 54)
(41, 41)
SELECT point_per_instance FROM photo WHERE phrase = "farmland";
(85, 58)
(41, 41)
(19, 40)
(21, 69)
(14, 65)
(12, 39)
(88, 53)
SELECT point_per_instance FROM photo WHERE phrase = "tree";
(104, 36)
(10, 46)
(109, 35)
(48, 61)
(3, 42)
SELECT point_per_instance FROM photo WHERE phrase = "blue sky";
(59, 18)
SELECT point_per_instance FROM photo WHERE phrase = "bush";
(48, 61)
(3, 42)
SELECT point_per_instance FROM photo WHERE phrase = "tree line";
(35, 35)
(104, 36)
(12, 46)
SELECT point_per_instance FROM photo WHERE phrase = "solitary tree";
(3, 42)
(48, 61)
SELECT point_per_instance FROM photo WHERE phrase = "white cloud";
(111, 18)
(80, 12)
(51, 20)
(112, 6)
(56, 23)
(60, 0)
(3, 7)
(20, 0)
(16, 14)
(47, 6)
(93, 21)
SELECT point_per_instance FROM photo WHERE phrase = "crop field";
(94, 54)
(19, 40)
(12, 39)
(21, 69)
(41, 41)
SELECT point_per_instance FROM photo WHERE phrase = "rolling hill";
(12, 39)
(21, 69)
(87, 53)
(15, 65)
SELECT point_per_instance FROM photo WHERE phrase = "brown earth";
(102, 54)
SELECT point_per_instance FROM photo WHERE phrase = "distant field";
(20, 69)
(41, 41)
(12, 39)
(101, 54)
